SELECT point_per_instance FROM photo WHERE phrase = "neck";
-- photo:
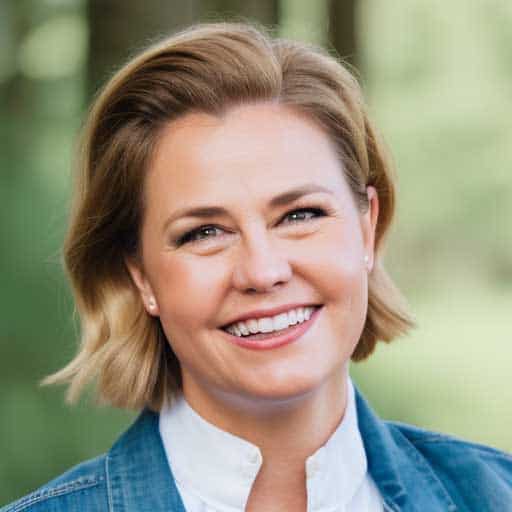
(286, 431)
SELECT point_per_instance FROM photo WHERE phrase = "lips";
(274, 339)
(267, 312)
(267, 324)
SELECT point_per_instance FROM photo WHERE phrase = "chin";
(282, 387)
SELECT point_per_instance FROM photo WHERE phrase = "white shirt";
(215, 470)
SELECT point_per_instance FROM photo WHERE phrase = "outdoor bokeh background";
(438, 79)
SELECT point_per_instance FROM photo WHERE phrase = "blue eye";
(209, 232)
(199, 234)
(304, 214)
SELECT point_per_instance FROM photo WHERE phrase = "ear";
(369, 225)
(143, 285)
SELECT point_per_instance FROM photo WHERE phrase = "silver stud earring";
(152, 303)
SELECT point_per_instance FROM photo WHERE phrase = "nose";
(260, 266)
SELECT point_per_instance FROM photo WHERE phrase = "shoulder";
(83, 487)
(429, 441)
(465, 468)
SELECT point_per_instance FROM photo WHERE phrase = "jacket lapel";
(139, 478)
(405, 479)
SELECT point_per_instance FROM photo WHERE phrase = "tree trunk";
(342, 29)
(118, 28)
(265, 12)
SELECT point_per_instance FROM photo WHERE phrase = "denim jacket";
(414, 469)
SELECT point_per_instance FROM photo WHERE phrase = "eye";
(208, 232)
(303, 215)
(199, 234)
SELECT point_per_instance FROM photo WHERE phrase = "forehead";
(252, 148)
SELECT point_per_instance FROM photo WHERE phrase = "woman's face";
(249, 217)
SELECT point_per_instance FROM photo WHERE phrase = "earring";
(152, 303)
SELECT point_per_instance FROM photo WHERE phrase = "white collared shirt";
(215, 470)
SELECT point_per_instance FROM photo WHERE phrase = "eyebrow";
(283, 199)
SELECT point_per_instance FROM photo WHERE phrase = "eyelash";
(189, 236)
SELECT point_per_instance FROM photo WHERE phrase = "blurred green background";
(437, 76)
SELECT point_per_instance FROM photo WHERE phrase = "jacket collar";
(404, 478)
(139, 477)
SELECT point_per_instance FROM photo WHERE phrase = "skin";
(288, 400)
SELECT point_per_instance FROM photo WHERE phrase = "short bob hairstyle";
(206, 68)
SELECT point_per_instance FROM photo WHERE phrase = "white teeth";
(253, 326)
(243, 328)
(265, 325)
(281, 322)
(270, 324)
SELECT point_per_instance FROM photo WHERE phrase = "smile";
(271, 323)
(272, 332)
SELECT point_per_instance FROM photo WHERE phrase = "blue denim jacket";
(414, 469)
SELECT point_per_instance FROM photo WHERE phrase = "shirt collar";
(337, 470)
(220, 468)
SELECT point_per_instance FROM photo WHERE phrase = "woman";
(224, 253)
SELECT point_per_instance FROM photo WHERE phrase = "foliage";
(438, 78)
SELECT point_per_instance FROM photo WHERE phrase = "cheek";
(340, 279)
(339, 264)
(189, 292)
(340, 275)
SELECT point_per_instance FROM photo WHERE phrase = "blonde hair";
(207, 68)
